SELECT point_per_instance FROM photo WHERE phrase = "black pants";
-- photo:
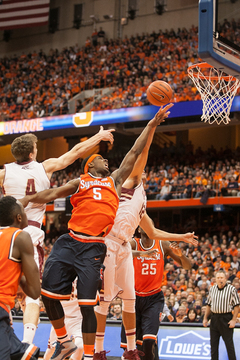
(10, 346)
(219, 327)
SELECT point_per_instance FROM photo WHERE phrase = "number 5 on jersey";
(97, 195)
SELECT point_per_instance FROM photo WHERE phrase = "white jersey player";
(25, 179)
(26, 176)
(119, 271)
(73, 323)
(118, 262)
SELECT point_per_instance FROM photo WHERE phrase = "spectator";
(192, 317)
(17, 311)
(117, 312)
(151, 188)
(181, 314)
(165, 192)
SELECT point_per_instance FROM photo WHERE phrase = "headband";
(92, 157)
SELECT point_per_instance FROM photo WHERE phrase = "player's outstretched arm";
(48, 195)
(78, 151)
(129, 160)
(23, 250)
(157, 234)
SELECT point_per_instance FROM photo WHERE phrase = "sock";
(131, 339)
(62, 334)
(29, 333)
(88, 352)
(99, 342)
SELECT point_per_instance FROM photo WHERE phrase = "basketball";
(159, 93)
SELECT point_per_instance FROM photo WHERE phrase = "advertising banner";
(174, 342)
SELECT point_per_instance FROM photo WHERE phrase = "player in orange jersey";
(33, 177)
(16, 258)
(148, 264)
(81, 252)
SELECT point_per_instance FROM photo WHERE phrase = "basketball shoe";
(132, 355)
(101, 355)
(63, 350)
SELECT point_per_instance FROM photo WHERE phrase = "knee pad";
(29, 300)
(102, 308)
(128, 306)
(89, 323)
(53, 308)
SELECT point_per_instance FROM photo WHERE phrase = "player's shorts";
(69, 259)
(119, 271)
(73, 321)
(148, 309)
(37, 234)
(9, 343)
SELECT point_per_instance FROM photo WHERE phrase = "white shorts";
(119, 271)
(73, 323)
(37, 236)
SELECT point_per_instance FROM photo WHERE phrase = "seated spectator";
(151, 188)
(117, 312)
(232, 187)
(192, 317)
(165, 192)
(17, 311)
(181, 314)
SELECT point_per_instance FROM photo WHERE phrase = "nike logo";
(97, 258)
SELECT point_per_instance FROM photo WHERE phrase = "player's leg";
(57, 281)
(31, 311)
(110, 292)
(125, 281)
(151, 308)
(88, 267)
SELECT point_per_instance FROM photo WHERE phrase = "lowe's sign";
(186, 342)
(186, 345)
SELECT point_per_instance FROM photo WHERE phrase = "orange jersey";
(10, 268)
(148, 270)
(94, 206)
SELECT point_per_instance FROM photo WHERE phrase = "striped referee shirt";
(222, 300)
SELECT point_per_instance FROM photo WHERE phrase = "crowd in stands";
(40, 84)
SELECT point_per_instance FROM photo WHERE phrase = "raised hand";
(106, 134)
(161, 115)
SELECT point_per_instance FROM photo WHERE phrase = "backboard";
(219, 35)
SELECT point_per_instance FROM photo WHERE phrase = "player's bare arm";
(129, 160)
(23, 249)
(2, 175)
(48, 195)
(174, 251)
(135, 177)
(78, 151)
(157, 234)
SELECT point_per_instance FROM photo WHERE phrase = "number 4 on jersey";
(30, 189)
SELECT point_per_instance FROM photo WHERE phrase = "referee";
(222, 300)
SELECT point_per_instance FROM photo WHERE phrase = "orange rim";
(206, 65)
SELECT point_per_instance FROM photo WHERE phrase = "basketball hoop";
(217, 92)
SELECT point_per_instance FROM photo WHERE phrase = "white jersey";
(27, 179)
(132, 207)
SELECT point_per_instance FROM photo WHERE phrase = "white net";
(217, 92)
